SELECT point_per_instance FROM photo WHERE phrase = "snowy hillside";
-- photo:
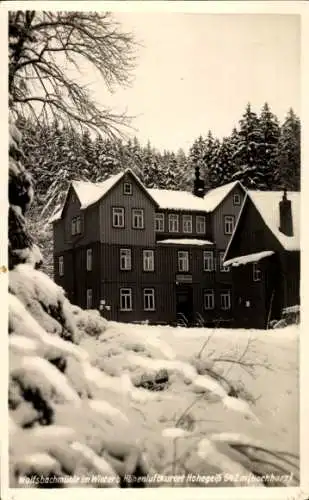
(98, 400)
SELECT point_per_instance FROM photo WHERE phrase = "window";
(75, 225)
(118, 217)
(148, 260)
(229, 224)
(225, 300)
(256, 272)
(89, 298)
(138, 218)
(89, 259)
(61, 266)
(78, 225)
(127, 188)
(200, 224)
(222, 268)
(125, 299)
(149, 299)
(125, 259)
(159, 222)
(187, 223)
(209, 300)
(183, 261)
(236, 199)
(173, 223)
(208, 258)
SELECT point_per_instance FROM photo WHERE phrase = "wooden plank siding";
(90, 229)
(77, 279)
(227, 207)
(253, 235)
(128, 235)
(106, 278)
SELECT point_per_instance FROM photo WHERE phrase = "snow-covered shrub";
(89, 321)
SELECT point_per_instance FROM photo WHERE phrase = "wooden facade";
(176, 293)
(262, 289)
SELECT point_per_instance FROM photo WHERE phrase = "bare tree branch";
(46, 46)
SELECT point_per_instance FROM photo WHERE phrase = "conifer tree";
(247, 156)
(270, 130)
(288, 173)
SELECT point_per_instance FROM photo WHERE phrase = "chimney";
(286, 220)
(199, 185)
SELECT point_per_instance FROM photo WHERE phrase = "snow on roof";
(89, 192)
(214, 197)
(184, 200)
(55, 216)
(246, 259)
(185, 242)
(267, 203)
(177, 200)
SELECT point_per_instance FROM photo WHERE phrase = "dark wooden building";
(147, 254)
(264, 254)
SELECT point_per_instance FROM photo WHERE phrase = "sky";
(197, 72)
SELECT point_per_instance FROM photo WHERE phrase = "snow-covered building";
(147, 254)
(264, 254)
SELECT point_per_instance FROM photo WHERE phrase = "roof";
(89, 193)
(177, 200)
(186, 241)
(246, 259)
(267, 203)
(214, 197)
(185, 200)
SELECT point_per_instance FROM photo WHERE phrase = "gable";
(267, 203)
(72, 200)
(214, 197)
(90, 193)
(251, 234)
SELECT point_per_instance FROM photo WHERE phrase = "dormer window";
(127, 188)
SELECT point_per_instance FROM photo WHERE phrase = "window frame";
(185, 219)
(256, 272)
(147, 295)
(223, 269)
(122, 295)
(114, 214)
(198, 220)
(159, 217)
(209, 293)
(146, 259)
(180, 260)
(232, 221)
(224, 294)
(124, 253)
(236, 196)
(89, 298)
(61, 265)
(130, 192)
(89, 259)
(73, 226)
(173, 218)
(212, 260)
(141, 210)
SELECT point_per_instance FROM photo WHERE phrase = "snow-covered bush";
(89, 321)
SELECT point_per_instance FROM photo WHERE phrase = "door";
(184, 303)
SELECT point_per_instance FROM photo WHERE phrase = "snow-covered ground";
(84, 392)
(267, 370)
